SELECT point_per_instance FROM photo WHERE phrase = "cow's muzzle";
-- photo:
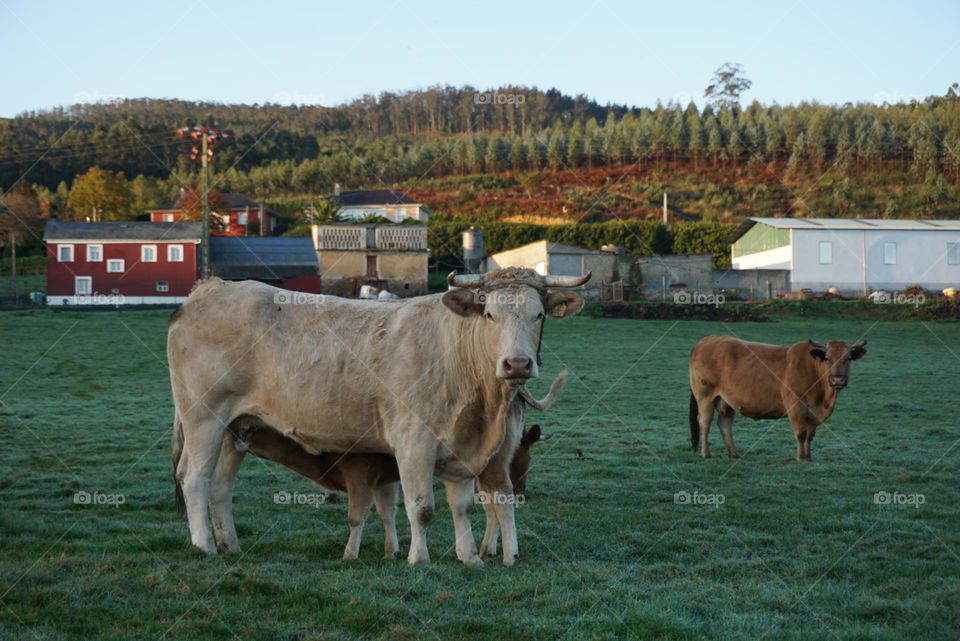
(516, 370)
(837, 383)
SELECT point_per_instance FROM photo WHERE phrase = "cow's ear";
(531, 436)
(462, 302)
(563, 304)
(818, 353)
(858, 351)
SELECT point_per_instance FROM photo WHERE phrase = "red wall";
(137, 279)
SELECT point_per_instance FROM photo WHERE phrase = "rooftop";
(858, 223)
(227, 200)
(132, 230)
(367, 197)
(262, 257)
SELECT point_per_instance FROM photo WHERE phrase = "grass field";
(795, 550)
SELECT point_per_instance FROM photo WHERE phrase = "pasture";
(759, 548)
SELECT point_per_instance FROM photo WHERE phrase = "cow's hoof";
(350, 556)
(418, 559)
(391, 556)
(473, 561)
(207, 547)
(488, 554)
(705, 455)
(734, 455)
(508, 561)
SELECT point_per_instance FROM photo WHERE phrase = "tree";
(727, 84)
(146, 193)
(191, 204)
(102, 194)
(19, 218)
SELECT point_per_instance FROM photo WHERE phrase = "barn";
(855, 256)
(290, 263)
(559, 259)
(114, 263)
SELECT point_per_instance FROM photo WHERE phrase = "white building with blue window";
(856, 256)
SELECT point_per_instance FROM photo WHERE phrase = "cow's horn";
(566, 281)
(464, 280)
(859, 344)
(816, 344)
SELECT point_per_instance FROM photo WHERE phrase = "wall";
(662, 276)
(921, 260)
(533, 256)
(402, 273)
(137, 279)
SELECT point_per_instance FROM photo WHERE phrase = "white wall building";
(854, 255)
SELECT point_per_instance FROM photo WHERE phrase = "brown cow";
(366, 478)
(800, 381)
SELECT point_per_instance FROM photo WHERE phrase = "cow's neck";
(829, 397)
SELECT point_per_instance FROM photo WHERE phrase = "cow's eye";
(540, 316)
(488, 316)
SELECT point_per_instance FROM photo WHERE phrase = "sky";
(62, 53)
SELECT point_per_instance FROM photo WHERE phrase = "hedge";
(637, 238)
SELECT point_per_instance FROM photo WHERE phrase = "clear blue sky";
(627, 52)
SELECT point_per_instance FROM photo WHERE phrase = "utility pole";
(205, 269)
(207, 137)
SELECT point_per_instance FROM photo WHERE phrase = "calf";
(366, 478)
(800, 381)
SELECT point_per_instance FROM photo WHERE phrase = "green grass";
(796, 551)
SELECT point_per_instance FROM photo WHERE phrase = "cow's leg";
(385, 497)
(359, 500)
(221, 495)
(416, 479)
(725, 422)
(460, 499)
(202, 441)
(488, 548)
(705, 413)
(799, 424)
(811, 432)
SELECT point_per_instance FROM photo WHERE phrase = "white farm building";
(852, 255)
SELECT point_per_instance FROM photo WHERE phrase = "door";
(371, 266)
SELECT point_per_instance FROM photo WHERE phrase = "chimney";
(666, 213)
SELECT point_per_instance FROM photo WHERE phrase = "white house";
(558, 259)
(386, 203)
(853, 255)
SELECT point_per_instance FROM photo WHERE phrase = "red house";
(239, 214)
(133, 263)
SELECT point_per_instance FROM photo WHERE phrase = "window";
(168, 218)
(115, 265)
(953, 253)
(65, 253)
(94, 253)
(242, 218)
(163, 286)
(401, 214)
(175, 253)
(826, 252)
(148, 253)
(889, 253)
(83, 285)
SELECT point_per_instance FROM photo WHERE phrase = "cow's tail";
(694, 422)
(177, 452)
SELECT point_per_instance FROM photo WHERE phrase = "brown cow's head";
(521, 459)
(834, 360)
(512, 304)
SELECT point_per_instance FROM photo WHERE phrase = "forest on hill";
(517, 153)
